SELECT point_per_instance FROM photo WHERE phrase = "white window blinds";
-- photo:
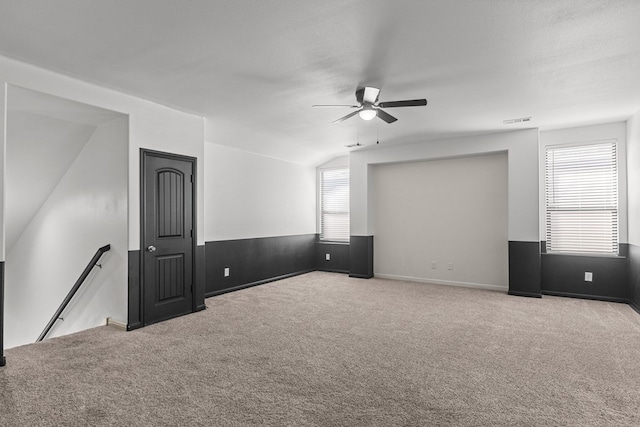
(581, 184)
(334, 204)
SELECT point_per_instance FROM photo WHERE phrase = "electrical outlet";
(588, 276)
(434, 264)
(226, 272)
(327, 257)
(450, 266)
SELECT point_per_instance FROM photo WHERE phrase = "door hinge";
(191, 233)
(191, 178)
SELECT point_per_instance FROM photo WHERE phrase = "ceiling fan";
(369, 106)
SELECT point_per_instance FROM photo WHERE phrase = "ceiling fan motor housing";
(369, 107)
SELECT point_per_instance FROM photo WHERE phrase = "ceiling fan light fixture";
(367, 113)
(369, 108)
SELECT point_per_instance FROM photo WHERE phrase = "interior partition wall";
(150, 126)
(443, 221)
(521, 148)
(3, 123)
(65, 191)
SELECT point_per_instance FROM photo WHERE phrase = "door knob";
(151, 248)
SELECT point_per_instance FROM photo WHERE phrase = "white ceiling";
(253, 68)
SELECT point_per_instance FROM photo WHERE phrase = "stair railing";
(74, 289)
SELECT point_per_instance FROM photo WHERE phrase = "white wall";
(609, 131)
(249, 195)
(523, 198)
(633, 178)
(336, 162)
(46, 133)
(4, 88)
(86, 210)
(151, 126)
(443, 211)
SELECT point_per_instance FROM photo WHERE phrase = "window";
(334, 204)
(581, 183)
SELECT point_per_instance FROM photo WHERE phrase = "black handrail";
(72, 292)
(3, 360)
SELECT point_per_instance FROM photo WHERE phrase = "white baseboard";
(117, 324)
(444, 282)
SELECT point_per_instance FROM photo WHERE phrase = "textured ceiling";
(254, 68)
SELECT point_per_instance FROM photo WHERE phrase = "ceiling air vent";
(519, 120)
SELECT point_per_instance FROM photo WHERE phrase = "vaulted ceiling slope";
(45, 134)
(254, 68)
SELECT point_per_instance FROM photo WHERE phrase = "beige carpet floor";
(323, 349)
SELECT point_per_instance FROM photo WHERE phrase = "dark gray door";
(167, 235)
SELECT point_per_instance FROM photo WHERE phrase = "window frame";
(620, 205)
(321, 211)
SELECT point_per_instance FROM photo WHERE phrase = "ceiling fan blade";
(386, 116)
(336, 106)
(407, 103)
(370, 95)
(348, 116)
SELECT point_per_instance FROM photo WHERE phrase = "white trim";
(320, 206)
(571, 235)
(116, 324)
(443, 282)
(584, 135)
